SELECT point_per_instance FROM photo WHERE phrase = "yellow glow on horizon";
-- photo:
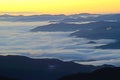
(60, 6)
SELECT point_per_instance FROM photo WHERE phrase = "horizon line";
(39, 13)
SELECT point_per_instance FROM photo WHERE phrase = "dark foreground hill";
(101, 74)
(24, 68)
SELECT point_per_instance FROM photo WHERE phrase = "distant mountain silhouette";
(61, 18)
(101, 74)
(71, 27)
(92, 17)
(24, 68)
(41, 18)
(93, 30)
(32, 18)
(57, 27)
(101, 30)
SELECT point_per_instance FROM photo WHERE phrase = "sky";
(59, 6)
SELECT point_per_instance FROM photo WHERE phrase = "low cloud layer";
(16, 40)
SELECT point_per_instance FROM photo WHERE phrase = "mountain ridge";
(24, 68)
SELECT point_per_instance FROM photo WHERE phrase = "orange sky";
(59, 6)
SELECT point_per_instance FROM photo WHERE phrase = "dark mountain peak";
(108, 70)
(108, 66)
(14, 57)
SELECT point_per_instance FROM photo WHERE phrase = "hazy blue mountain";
(92, 17)
(99, 30)
(93, 30)
(79, 19)
(69, 27)
(57, 27)
(102, 30)
(42, 18)
(24, 68)
(62, 18)
(32, 18)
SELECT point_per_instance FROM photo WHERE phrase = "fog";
(16, 39)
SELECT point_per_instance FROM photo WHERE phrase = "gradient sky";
(59, 6)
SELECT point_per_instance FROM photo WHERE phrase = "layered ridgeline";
(61, 18)
(57, 27)
(102, 30)
(99, 30)
(91, 17)
(93, 30)
(24, 68)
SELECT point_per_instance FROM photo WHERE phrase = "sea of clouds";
(16, 39)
